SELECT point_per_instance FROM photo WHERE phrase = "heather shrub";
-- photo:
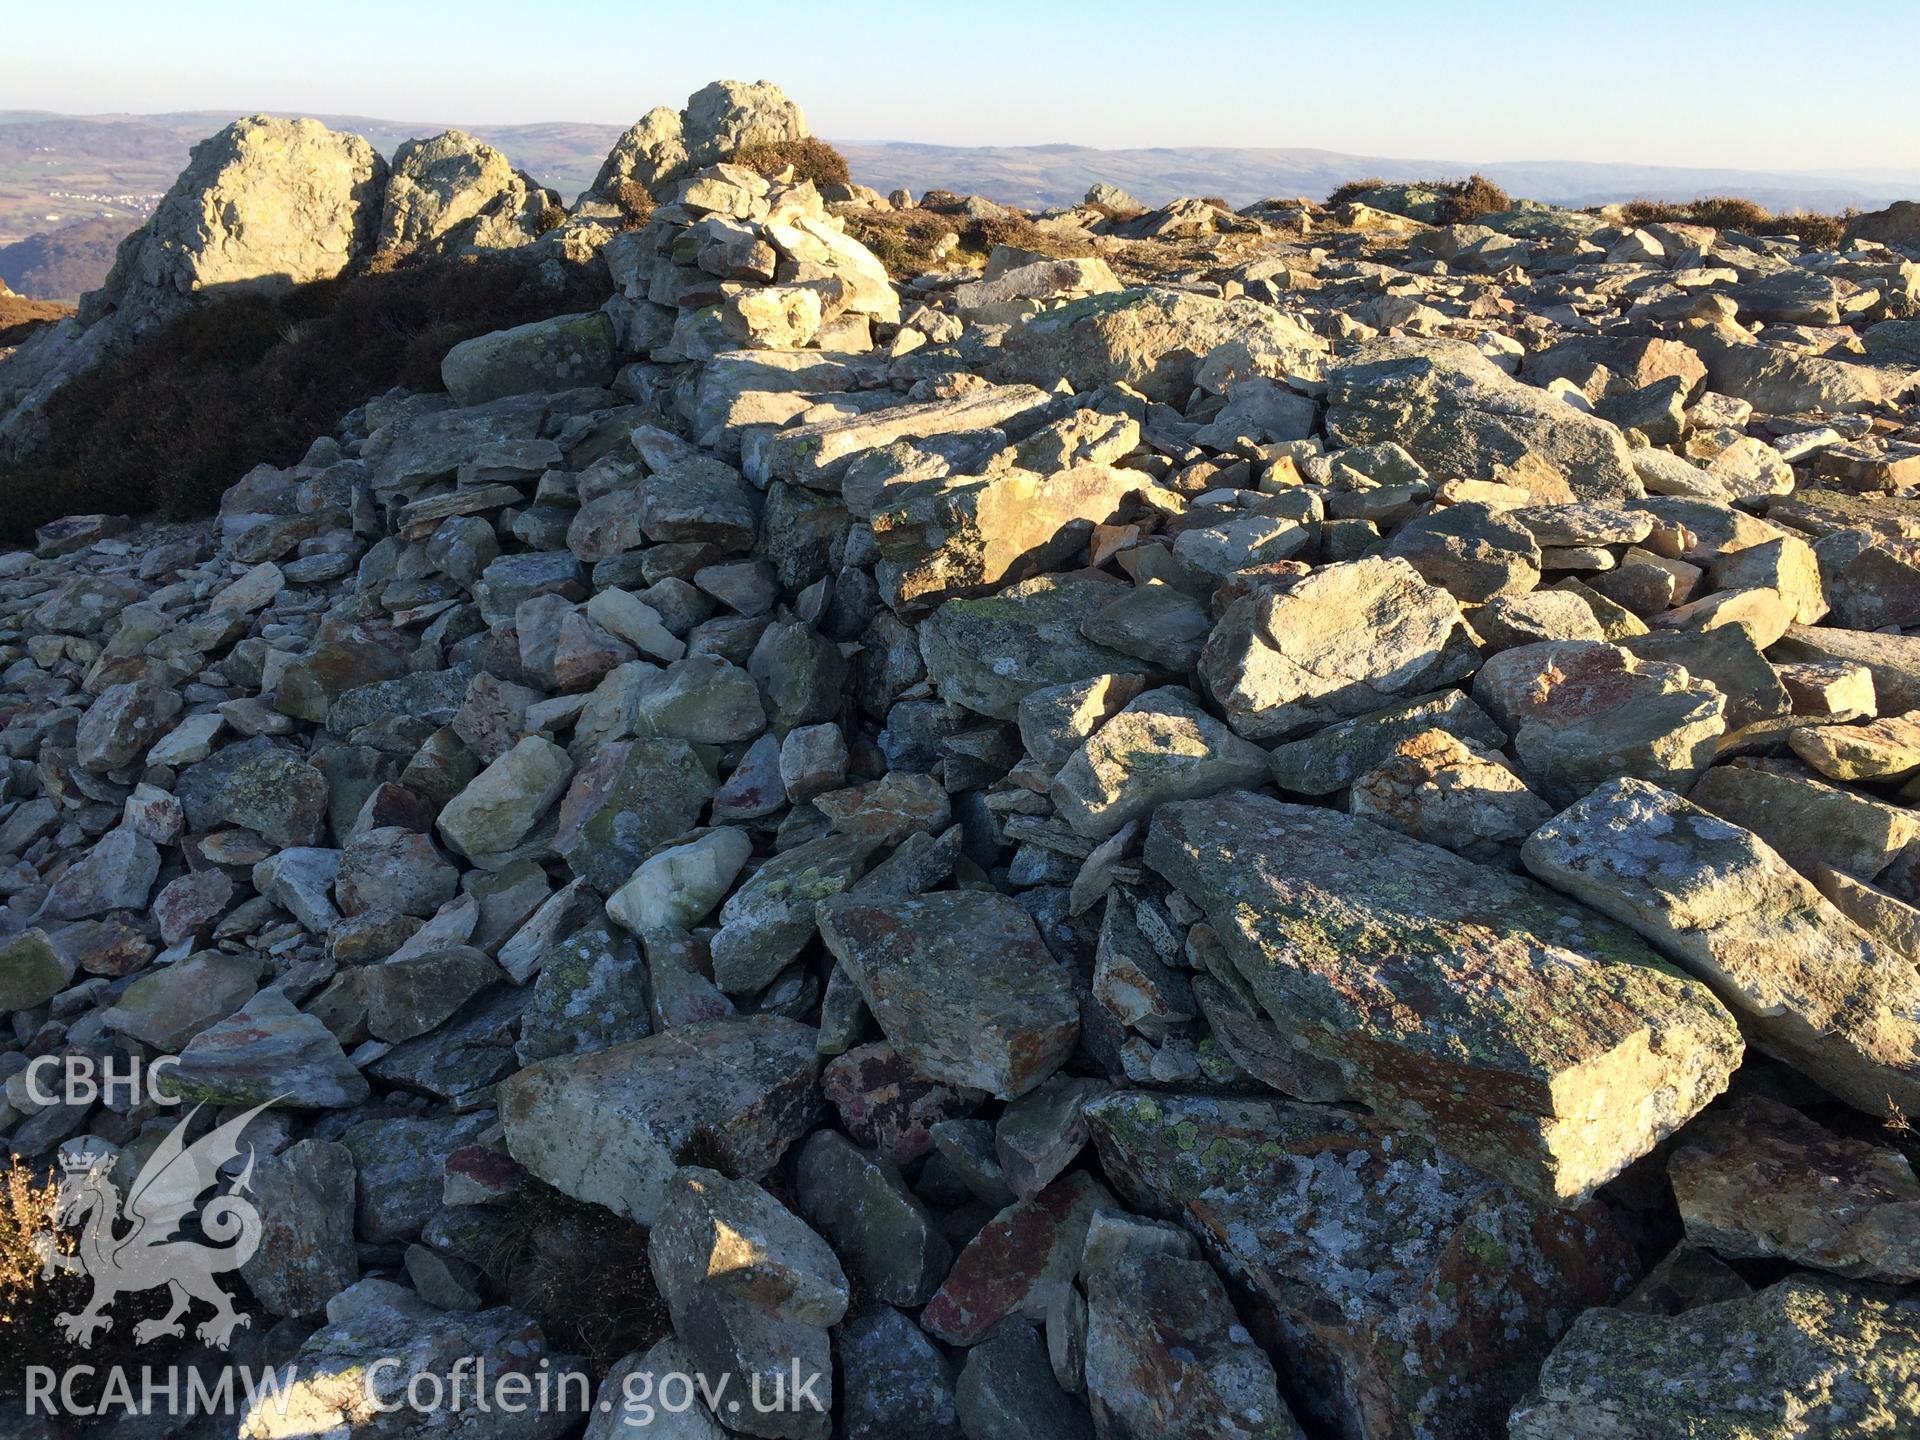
(811, 159)
(168, 424)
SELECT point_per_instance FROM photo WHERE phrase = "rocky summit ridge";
(1289, 823)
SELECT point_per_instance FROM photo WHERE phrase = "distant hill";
(63, 264)
(1044, 175)
(56, 170)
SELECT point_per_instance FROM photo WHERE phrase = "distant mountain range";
(57, 170)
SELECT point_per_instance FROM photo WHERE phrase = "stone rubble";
(1234, 834)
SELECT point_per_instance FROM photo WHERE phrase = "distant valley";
(71, 185)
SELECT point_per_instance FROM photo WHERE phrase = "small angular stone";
(961, 984)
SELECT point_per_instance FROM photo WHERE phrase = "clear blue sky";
(1757, 84)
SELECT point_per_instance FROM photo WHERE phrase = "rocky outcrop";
(1162, 843)
(265, 202)
(663, 145)
(454, 193)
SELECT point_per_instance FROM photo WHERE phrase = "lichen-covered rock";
(961, 984)
(1807, 985)
(881, 1231)
(1020, 1264)
(989, 654)
(1161, 747)
(1533, 1038)
(1166, 1355)
(612, 1127)
(562, 353)
(751, 1291)
(1335, 757)
(1152, 339)
(1803, 1357)
(265, 202)
(766, 922)
(1447, 791)
(895, 1383)
(268, 1050)
(502, 803)
(1755, 1179)
(382, 1343)
(306, 1254)
(1457, 413)
(1582, 712)
(1345, 640)
(453, 191)
(1403, 1293)
(963, 535)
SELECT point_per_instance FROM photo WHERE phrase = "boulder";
(1808, 986)
(1457, 413)
(1401, 1291)
(961, 985)
(1582, 712)
(611, 1127)
(1344, 640)
(1815, 1358)
(264, 203)
(1757, 1180)
(1436, 986)
(562, 353)
(1152, 339)
(453, 192)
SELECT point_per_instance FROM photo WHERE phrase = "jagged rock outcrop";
(264, 202)
(663, 145)
(452, 192)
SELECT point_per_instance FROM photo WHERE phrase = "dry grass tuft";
(548, 1238)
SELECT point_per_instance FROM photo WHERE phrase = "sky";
(1755, 84)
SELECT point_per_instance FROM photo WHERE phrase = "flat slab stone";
(1523, 1033)
(1809, 987)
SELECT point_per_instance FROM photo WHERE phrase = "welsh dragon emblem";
(136, 1244)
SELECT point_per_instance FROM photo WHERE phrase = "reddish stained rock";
(112, 947)
(1019, 1264)
(481, 1175)
(188, 905)
(1582, 712)
(887, 1105)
